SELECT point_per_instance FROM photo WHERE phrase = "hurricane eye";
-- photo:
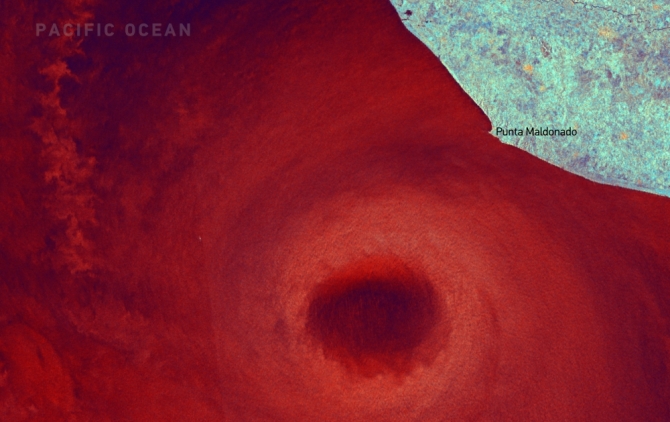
(374, 318)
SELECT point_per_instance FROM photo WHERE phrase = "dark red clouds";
(171, 208)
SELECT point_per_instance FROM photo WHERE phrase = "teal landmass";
(601, 67)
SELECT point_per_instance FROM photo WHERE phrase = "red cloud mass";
(296, 214)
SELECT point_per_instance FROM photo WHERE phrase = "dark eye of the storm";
(373, 322)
